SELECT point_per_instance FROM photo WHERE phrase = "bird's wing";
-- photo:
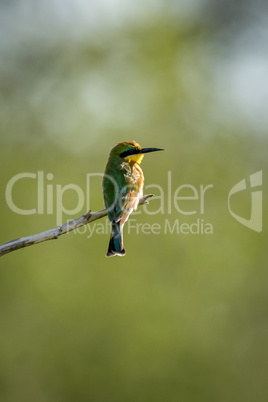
(127, 197)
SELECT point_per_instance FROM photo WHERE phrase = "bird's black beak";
(139, 151)
(146, 150)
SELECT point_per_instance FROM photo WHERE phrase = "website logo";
(255, 220)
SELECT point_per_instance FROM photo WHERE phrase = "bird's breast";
(132, 172)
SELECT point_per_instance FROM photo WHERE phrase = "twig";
(58, 231)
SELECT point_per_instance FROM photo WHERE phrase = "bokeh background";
(181, 317)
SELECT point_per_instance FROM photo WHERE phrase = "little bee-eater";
(122, 189)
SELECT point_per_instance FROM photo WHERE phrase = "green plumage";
(122, 189)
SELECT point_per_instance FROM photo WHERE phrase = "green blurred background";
(183, 317)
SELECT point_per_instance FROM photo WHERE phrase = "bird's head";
(131, 151)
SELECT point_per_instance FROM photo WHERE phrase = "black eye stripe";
(130, 151)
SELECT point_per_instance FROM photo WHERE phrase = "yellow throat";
(135, 158)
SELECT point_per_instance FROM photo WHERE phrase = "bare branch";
(54, 233)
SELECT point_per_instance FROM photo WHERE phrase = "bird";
(122, 186)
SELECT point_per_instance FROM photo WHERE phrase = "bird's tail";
(116, 246)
